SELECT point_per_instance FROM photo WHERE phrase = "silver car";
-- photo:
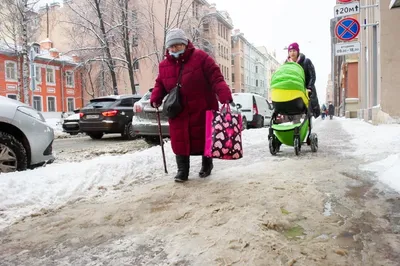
(144, 121)
(25, 138)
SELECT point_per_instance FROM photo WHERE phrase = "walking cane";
(161, 141)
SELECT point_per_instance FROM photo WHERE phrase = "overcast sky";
(277, 23)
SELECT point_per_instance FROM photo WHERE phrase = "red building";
(58, 78)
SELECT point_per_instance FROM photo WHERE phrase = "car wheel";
(12, 154)
(128, 133)
(97, 135)
(260, 123)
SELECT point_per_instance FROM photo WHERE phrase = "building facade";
(379, 66)
(218, 30)
(58, 79)
(208, 28)
(272, 65)
(252, 66)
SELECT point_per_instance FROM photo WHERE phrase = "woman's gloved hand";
(155, 105)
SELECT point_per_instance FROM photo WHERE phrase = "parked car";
(255, 109)
(107, 115)
(71, 124)
(145, 123)
(25, 138)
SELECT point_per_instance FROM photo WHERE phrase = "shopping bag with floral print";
(223, 134)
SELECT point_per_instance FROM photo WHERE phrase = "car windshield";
(100, 103)
(146, 97)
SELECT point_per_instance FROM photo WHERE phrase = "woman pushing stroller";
(294, 55)
(292, 86)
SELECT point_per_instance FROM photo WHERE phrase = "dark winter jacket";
(331, 109)
(309, 72)
(202, 82)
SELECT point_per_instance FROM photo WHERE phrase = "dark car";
(70, 124)
(145, 122)
(108, 115)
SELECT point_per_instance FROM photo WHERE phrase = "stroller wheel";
(273, 145)
(314, 142)
(296, 144)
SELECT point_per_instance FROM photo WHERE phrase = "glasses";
(176, 47)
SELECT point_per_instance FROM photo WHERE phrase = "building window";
(256, 82)
(37, 103)
(233, 77)
(50, 75)
(12, 96)
(70, 79)
(256, 69)
(135, 64)
(11, 71)
(38, 74)
(206, 27)
(51, 104)
(70, 104)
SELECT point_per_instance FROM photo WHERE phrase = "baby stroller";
(290, 98)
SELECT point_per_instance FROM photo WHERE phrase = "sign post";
(347, 29)
(347, 9)
(345, 48)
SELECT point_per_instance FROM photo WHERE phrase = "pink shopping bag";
(223, 134)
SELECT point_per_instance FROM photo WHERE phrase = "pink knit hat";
(294, 46)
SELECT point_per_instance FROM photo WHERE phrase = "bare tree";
(18, 25)
(173, 14)
(90, 18)
(198, 27)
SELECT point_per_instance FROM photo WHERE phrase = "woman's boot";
(183, 163)
(206, 166)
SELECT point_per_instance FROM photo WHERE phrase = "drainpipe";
(62, 87)
(82, 100)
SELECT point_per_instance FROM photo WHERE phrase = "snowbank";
(56, 124)
(379, 146)
(27, 192)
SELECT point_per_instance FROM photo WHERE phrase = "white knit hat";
(175, 36)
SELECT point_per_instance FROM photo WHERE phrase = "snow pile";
(27, 192)
(56, 124)
(379, 146)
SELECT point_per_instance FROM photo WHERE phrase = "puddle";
(359, 191)
(296, 232)
(328, 208)
(347, 240)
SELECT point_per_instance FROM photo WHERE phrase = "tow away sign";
(345, 48)
(347, 9)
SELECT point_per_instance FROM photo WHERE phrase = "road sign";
(347, 29)
(345, 48)
(347, 9)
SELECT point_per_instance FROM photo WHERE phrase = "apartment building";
(206, 27)
(272, 65)
(252, 66)
(57, 78)
(379, 65)
(217, 30)
(329, 90)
